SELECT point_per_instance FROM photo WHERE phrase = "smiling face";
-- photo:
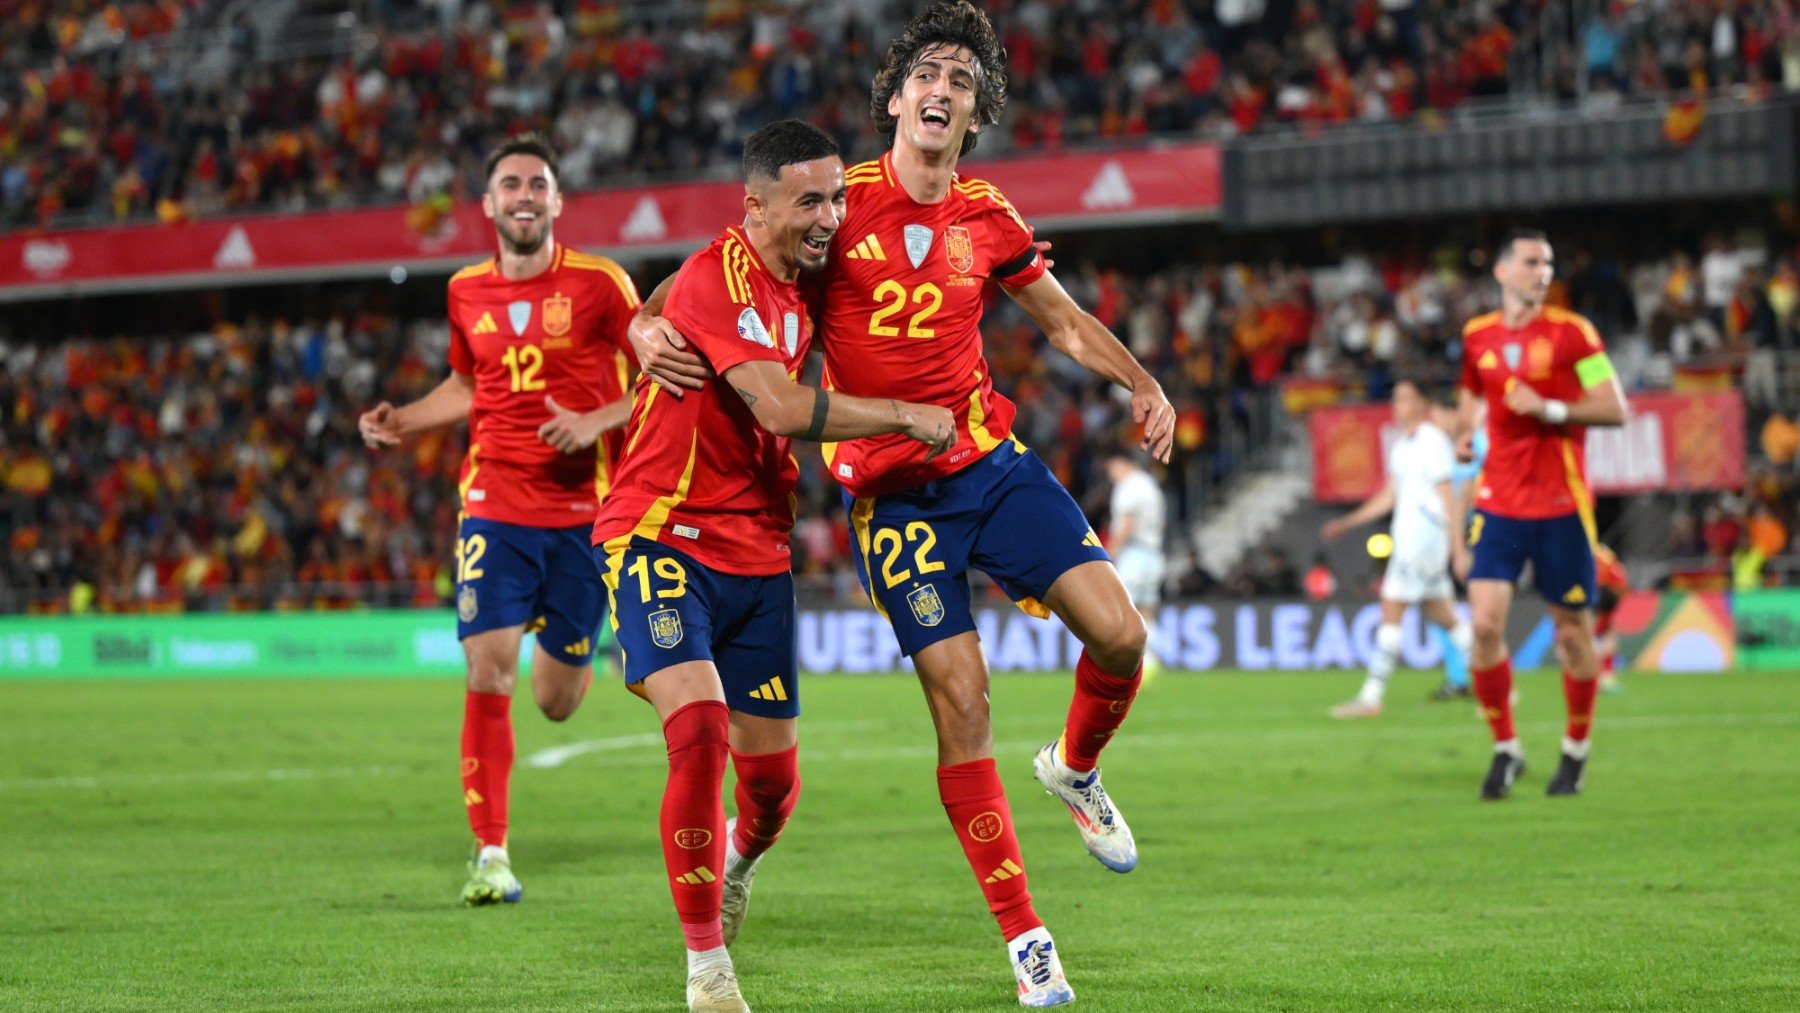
(1525, 270)
(522, 199)
(799, 211)
(935, 104)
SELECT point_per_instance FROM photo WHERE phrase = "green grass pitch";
(299, 845)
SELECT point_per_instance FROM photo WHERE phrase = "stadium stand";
(183, 108)
(221, 470)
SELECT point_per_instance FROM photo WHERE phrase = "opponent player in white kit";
(1135, 538)
(1426, 511)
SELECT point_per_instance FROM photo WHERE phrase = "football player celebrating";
(538, 367)
(900, 312)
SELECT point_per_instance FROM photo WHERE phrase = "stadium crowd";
(108, 118)
(222, 470)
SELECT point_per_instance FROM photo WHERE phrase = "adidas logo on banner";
(868, 249)
(1110, 189)
(644, 223)
(1006, 871)
(698, 877)
(235, 251)
(771, 690)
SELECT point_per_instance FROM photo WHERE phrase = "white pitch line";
(556, 756)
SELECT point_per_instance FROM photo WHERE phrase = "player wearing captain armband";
(1545, 378)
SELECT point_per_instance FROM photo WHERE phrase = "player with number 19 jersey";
(561, 335)
(901, 318)
(699, 474)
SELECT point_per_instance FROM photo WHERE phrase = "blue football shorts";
(1005, 515)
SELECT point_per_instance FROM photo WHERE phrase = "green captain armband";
(1594, 370)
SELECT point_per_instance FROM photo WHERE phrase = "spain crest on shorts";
(665, 628)
(559, 314)
(959, 249)
(927, 607)
(466, 606)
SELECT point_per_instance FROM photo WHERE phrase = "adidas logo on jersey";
(698, 877)
(1006, 871)
(868, 249)
(485, 325)
(771, 690)
(578, 647)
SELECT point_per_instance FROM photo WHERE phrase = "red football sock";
(768, 785)
(1098, 709)
(487, 760)
(976, 804)
(1579, 695)
(1606, 665)
(1493, 688)
(693, 818)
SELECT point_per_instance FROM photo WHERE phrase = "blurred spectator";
(133, 108)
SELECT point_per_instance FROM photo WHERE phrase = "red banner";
(1669, 442)
(1162, 183)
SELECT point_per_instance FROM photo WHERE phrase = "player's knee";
(1489, 630)
(1120, 650)
(556, 705)
(490, 676)
(1570, 639)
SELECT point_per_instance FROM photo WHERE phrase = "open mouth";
(935, 117)
(816, 245)
(524, 217)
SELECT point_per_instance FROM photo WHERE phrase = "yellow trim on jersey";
(737, 272)
(1584, 505)
(462, 488)
(978, 431)
(976, 189)
(473, 270)
(557, 261)
(624, 368)
(644, 416)
(606, 265)
(651, 524)
(865, 172)
(602, 480)
(1477, 323)
(860, 514)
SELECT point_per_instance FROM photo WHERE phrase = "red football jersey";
(562, 335)
(901, 316)
(699, 474)
(1534, 469)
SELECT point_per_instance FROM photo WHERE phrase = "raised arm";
(661, 350)
(447, 404)
(786, 408)
(1076, 333)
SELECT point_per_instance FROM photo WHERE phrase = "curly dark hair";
(953, 23)
(533, 143)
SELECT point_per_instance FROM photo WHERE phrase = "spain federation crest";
(559, 313)
(665, 628)
(959, 249)
(927, 607)
(466, 606)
